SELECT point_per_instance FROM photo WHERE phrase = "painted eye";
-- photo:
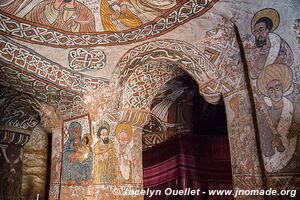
(271, 90)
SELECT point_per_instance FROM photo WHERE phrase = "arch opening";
(185, 143)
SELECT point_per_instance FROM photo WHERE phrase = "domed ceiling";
(56, 50)
(67, 23)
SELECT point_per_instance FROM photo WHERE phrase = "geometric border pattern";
(144, 83)
(24, 30)
(30, 61)
(187, 57)
(65, 102)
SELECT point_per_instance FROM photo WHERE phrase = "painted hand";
(115, 15)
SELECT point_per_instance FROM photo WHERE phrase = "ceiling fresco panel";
(121, 23)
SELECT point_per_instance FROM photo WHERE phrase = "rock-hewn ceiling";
(54, 49)
(90, 23)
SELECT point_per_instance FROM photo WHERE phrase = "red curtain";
(188, 162)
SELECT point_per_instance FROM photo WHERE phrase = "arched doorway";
(143, 70)
(185, 144)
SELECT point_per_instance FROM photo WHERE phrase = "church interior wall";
(87, 72)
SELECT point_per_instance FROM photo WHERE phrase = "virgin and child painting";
(77, 153)
(106, 155)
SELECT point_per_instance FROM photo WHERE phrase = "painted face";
(123, 137)
(76, 133)
(104, 136)
(261, 34)
(275, 90)
(85, 141)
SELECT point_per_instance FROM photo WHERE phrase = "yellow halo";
(270, 13)
(124, 127)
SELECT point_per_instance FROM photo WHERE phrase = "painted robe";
(77, 19)
(105, 162)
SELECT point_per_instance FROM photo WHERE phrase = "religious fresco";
(66, 15)
(221, 46)
(116, 160)
(174, 111)
(273, 82)
(124, 151)
(241, 130)
(162, 72)
(105, 157)
(211, 57)
(11, 173)
(115, 152)
(77, 155)
(170, 56)
(62, 92)
(75, 16)
(269, 47)
(122, 15)
(127, 21)
(19, 112)
(270, 60)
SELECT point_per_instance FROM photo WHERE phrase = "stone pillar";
(56, 156)
(136, 118)
(245, 161)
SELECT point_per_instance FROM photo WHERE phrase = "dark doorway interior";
(185, 145)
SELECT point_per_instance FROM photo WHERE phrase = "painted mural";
(154, 132)
(75, 16)
(269, 47)
(176, 109)
(11, 173)
(13, 6)
(67, 15)
(122, 15)
(105, 157)
(121, 20)
(77, 153)
(124, 137)
(56, 94)
(270, 61)
(111, 158)
(141, 45)
(116, 155)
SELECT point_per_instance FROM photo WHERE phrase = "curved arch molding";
(28, 31)
(187, 57)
